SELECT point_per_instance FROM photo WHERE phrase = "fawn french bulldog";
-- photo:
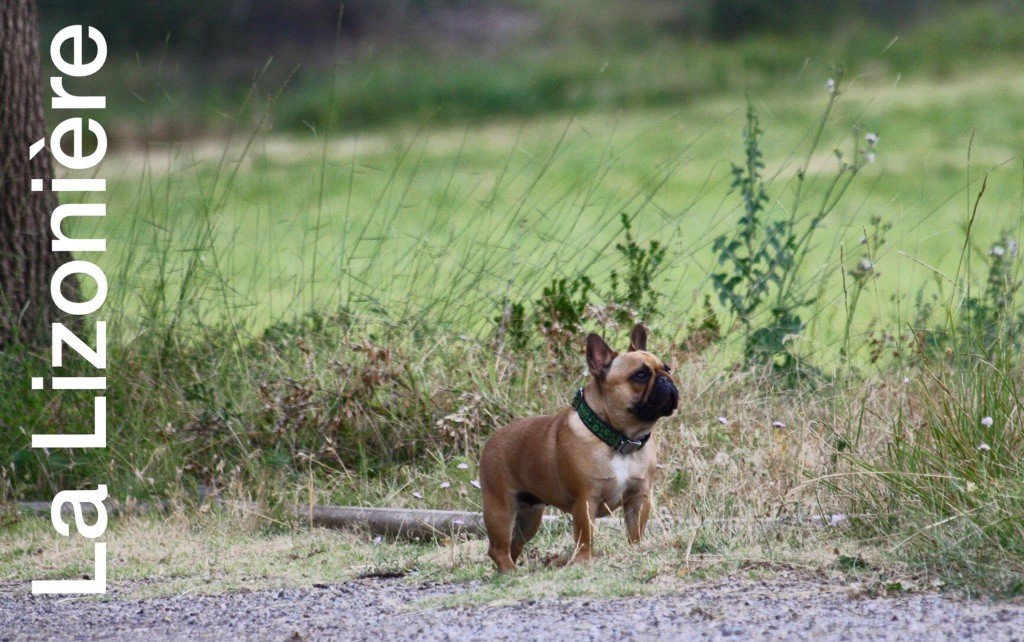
(587, 459)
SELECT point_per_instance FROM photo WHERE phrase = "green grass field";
(447, 222)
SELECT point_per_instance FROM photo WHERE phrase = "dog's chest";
(624, 468)
(615, 472)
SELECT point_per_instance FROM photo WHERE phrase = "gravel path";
(734, 609)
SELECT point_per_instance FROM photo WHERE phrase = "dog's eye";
(641, 375)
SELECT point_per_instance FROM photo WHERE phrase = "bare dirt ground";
(784, 607)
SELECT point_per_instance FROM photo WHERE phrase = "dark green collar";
(604, 431)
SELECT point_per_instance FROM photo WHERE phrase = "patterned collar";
(604, 431)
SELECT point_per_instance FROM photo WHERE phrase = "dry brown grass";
(746, 467)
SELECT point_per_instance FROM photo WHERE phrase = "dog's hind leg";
(528, 521)
(499, 520)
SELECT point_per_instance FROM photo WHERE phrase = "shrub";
(639, 293)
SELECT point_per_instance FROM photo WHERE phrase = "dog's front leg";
(637, 507)
(584, 510)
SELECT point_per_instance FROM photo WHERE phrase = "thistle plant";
(864, 271)
(760, 261)
(992, 321)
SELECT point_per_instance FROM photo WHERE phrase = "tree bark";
(26, 262)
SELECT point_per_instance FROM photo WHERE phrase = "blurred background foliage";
(185, 66)
(228, 27)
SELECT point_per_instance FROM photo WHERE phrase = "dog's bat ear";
(599, 356)
(638, 338)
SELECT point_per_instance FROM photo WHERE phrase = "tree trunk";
(26, 262)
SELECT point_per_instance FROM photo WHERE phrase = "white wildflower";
(997, 250)
(417, 494)
(377, 540)
(872, 139)
(865, 265)
(987, 422)
(983, 447)
(723, 421)
(445, 485)
(870, 157)
(463, 466)
(475, 483)
(906, 380)
(778, 424)
(831, 85)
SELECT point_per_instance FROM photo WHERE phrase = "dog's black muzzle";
(661, 402)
